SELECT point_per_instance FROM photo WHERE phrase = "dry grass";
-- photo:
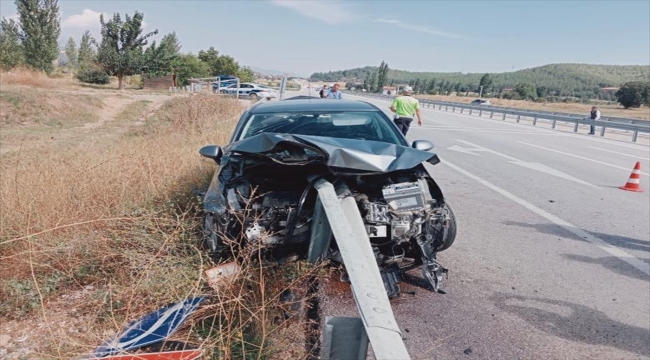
(32, 78)
(642, 113)
(96, 235)
(27, 106)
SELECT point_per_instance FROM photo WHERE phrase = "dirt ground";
(116, 109)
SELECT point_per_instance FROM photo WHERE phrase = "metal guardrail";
(347, 341)
(629, 125)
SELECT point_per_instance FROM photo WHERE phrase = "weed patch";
(95, 236)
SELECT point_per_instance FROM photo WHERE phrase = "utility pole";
(480, 94)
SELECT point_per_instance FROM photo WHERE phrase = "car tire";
(210, 238)
(253, 97)
(449, 238)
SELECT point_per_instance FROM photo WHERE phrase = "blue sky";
(308, 36)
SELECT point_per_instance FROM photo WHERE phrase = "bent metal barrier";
(632, 126)
(337, 214)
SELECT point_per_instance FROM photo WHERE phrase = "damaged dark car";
(263, 191)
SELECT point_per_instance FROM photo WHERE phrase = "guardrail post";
(504, 117)
(553, 125)
(470, 111)
(575, 128)
(344, 338)
(518, 118)
(480, 113)
(453, 109)
(446, 107)
(535, 120)
(461, 110)
(491, 114)
(635, 134)
(602, 131)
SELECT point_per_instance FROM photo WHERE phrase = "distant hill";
(580, 80)
(263, 71)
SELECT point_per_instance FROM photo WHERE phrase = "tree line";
(122, 49)
(582, 81)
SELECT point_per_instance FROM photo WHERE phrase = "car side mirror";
(423, 145)
(213, 152)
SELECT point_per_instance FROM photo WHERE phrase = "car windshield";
(363, 125)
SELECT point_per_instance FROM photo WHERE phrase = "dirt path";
(114, 104)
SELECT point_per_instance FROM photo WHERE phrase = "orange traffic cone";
(634, 180)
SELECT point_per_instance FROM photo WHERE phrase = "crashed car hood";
(358, 155)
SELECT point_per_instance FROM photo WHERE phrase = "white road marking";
(463, 150)
(580, 157)
(530, 165)
(620, 153)
(612, 250)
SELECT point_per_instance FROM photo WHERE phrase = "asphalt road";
(551, 260)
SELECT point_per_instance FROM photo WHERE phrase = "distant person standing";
(323, 92)
(593, 116)
(405, 108)
(334, 92)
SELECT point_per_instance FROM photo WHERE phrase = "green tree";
(372, 82)
(86, 55)
(542, 91)
(526, 91)
(632, 94)
(11, 50)
(245, 74)
(189, 66)
(646, 95)
(486, 82)
(41, 28)
(219, 64)
(71, 53)
(121, 50)
(159, 58)
(382, 75)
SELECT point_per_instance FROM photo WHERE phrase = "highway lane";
(551, 259)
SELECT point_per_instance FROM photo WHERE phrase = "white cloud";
(87, 19)
(419, 28)
(330, 12)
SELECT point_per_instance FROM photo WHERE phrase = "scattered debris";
(152, 328)
(222, 274)
(468, 351)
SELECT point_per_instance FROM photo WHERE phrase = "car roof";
(298, 105)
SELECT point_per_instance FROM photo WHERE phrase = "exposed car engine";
(401, 213)
(264, 194)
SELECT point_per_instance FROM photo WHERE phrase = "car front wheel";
(445, 241)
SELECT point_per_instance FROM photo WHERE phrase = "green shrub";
(93, 76)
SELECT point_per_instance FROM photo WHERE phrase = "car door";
(245, 89)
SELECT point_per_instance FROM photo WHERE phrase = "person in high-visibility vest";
(405, 108)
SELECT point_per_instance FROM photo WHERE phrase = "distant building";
(389, 90)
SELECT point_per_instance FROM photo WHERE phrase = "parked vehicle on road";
(263, 191)
(221, 81)
(251, 90)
